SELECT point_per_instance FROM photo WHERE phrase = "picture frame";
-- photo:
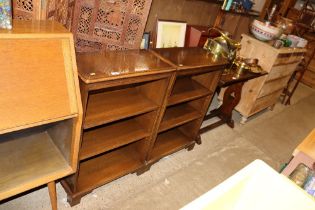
(145, 43)
(170, 33)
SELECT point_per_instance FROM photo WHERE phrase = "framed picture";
(170, 34)
(145, 43)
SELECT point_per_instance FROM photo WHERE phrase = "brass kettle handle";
(230, 41)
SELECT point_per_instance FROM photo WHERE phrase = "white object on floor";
(255, 187)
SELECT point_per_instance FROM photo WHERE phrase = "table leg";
(52, 194)
(231, 98)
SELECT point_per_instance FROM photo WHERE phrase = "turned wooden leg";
(52, 194)
(243, 120)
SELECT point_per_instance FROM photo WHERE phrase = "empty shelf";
(112, 136)
(105, 168)
(115, 105)
(168, 143)
(186, 89)
(178, 115)
(28, 161)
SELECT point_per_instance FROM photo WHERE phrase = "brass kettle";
(222, 45)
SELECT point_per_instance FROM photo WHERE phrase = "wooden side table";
(303, 153)
(231, 98)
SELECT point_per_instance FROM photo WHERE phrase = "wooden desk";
(231, 98)
(40, 107)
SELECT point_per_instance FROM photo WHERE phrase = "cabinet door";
(36, 82)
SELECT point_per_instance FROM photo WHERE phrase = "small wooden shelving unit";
(40, 107)
(195, 81)
(122, 94)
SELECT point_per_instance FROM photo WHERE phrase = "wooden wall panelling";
(193, 12)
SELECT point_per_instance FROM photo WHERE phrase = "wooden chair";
(297, 75)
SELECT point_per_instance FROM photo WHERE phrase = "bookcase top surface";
(190, 57)
(110, 65)
(34, 28)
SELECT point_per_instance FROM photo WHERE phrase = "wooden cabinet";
(123, 93)
(40, 107)
(195, 81)
(263, 92)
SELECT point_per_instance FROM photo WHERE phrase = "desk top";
(229, 77)
(307, 146)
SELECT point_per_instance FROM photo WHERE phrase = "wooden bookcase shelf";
(121, 113)
(108, 167)
(186, 89)
(41, 111)
(178, 115)
(169, 142)
(109, 106)
(27, 157)
(105, 138)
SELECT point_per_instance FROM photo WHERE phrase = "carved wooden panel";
(26, 9)
(109, 24)
(59, 10)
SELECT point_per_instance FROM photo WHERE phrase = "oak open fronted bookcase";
(196, 79)
(123, 94)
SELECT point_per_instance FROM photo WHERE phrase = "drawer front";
(273, 86)
(281, 71)
(265, 102)
(284, 59)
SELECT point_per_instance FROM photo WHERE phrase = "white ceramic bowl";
(264, 31)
